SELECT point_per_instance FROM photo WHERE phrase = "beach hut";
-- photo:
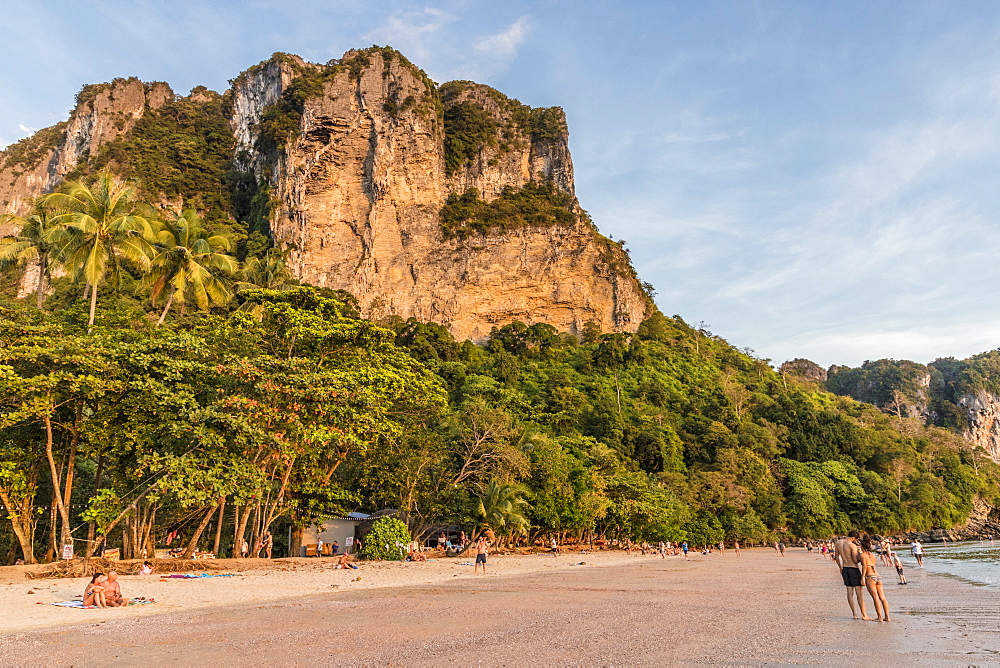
(328, 530)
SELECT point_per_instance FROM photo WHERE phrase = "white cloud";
(26, 130)
(415, 33)
(425, 36)
(504, 45)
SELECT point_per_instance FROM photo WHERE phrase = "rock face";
(356, 160)
(104, 112)
(983, 411)
(360, 189)
(803, 369)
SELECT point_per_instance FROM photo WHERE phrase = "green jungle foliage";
(286, 406)
(537, 204)
(468, 129)
(182, 150)
(387, 539)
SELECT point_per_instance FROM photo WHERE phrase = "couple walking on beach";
(857, 567)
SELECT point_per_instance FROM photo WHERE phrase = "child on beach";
(899, 568)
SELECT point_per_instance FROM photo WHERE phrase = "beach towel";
(79, 604)
(188, 576)
(466, 563)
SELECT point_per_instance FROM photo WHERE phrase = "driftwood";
(79, 568)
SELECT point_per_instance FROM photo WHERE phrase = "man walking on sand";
(482, 549)
(849, 560)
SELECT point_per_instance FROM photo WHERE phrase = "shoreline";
(285, 578)
(614, 609)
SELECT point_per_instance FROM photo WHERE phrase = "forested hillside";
(276, 407)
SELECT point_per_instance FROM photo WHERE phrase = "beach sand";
(613, 609)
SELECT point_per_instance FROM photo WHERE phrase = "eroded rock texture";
(352, 156)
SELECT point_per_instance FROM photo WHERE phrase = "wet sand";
(616, 609)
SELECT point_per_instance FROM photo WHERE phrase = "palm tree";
(103, 229)
(501, 508)
(189, 262)
(267, 273)
(36, 242)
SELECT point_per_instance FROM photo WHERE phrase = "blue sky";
(807, 179)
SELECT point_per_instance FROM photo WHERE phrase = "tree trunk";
(21, 524)
(196, 536)
(240, 530)
(71, 462)
(40, 286)
(163, 316)
(93, 308)
(50, 555)
(91, 527)
(218, 527)
(57, 496)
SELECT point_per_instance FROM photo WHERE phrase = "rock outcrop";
(356, 159)
(359, 192)
(983, 412)
(103, 113)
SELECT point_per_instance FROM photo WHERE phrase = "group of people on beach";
(855, 555)
(104, 591)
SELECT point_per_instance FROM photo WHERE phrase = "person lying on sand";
(113, 591)
(94, 593)
(345, 562)
(413, 554)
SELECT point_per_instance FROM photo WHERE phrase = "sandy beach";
(612, 609)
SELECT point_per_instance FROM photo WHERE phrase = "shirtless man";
(849, 560)
(482, 549)
(113, 590)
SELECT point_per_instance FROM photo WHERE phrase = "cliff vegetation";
(537, 204)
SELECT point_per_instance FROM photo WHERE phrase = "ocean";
(976, 562)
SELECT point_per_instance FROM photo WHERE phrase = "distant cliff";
(962, 395)
(448, 203)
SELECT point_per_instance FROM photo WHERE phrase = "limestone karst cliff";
(963, 395)
(103, 112)
(347, 166)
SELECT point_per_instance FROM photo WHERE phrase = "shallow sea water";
(976, 562)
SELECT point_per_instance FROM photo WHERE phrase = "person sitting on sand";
(345, 562)
(413, 553)
(113, 591)
(147, 568)
(873, 581)
(94, 593)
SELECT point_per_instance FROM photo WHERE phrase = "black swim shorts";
(480, 558)
(852, 576)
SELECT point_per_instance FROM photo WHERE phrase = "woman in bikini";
(94, 593)
(873, 581)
